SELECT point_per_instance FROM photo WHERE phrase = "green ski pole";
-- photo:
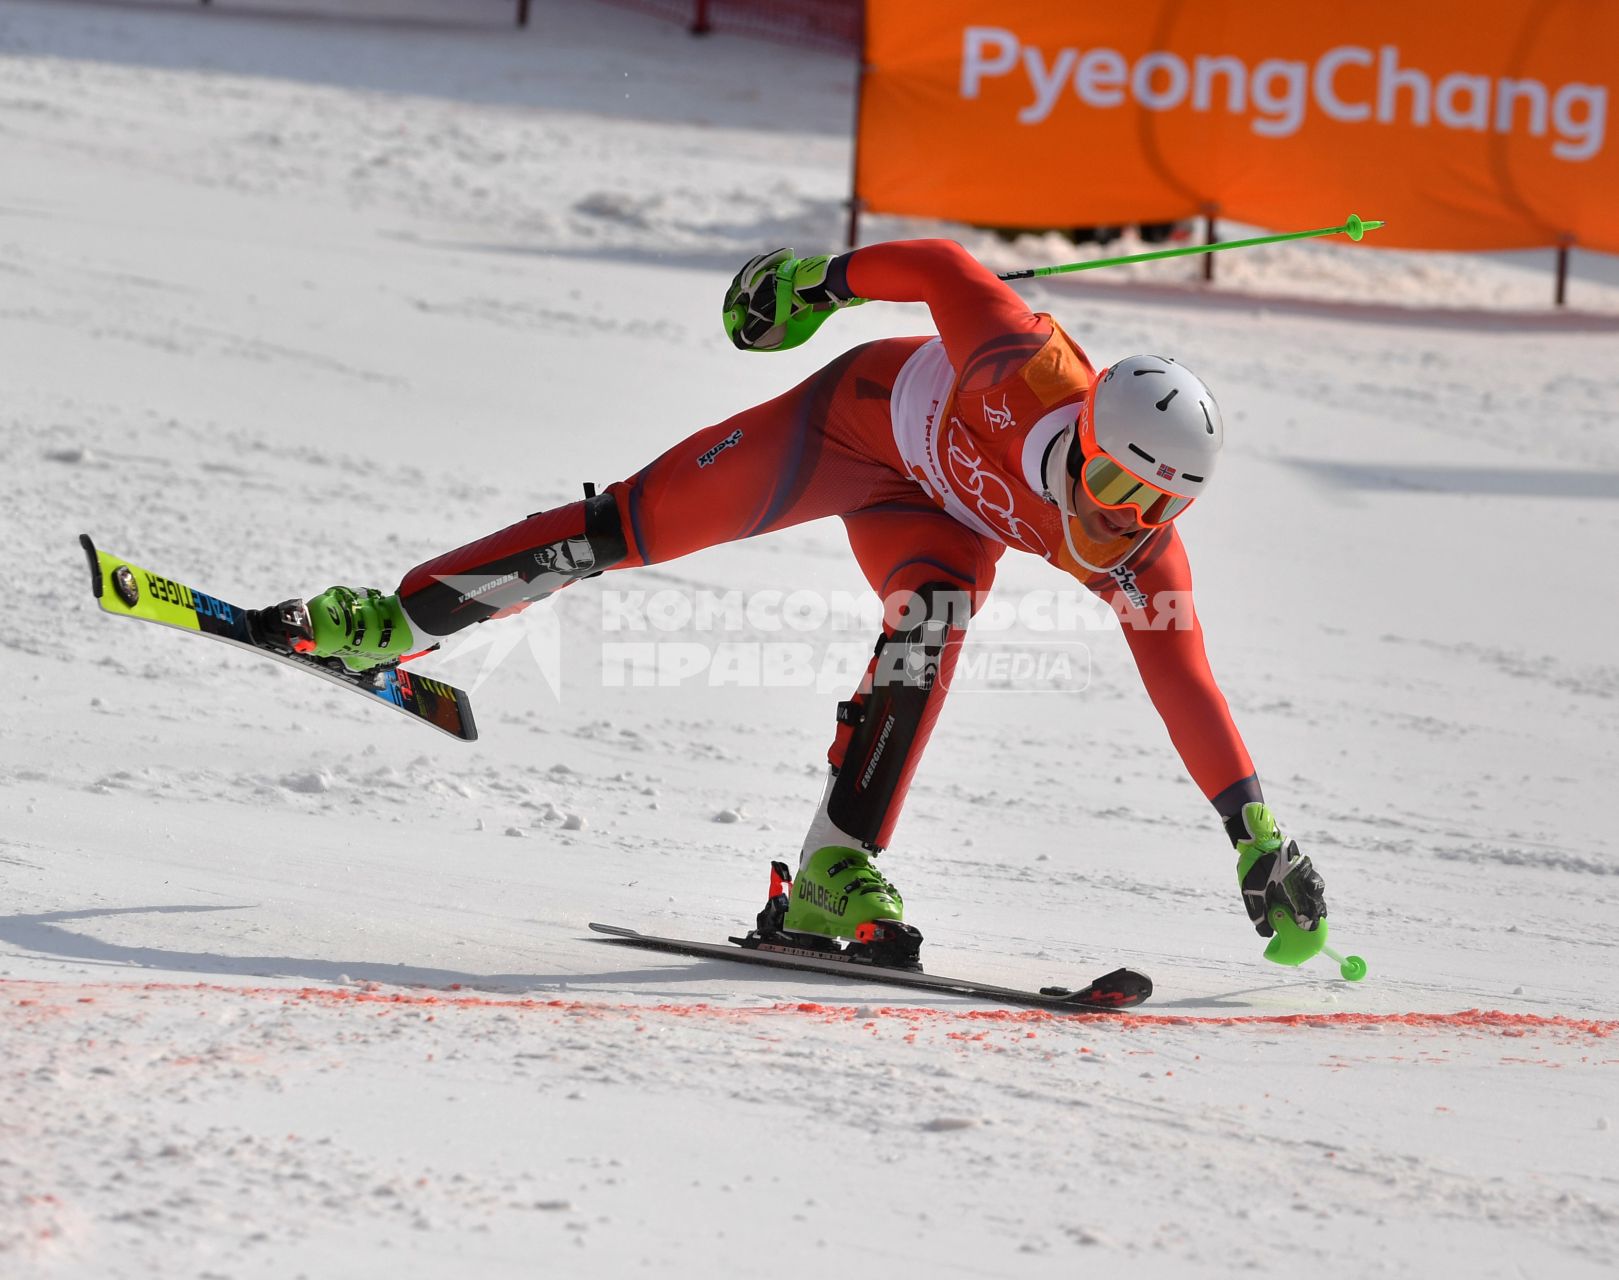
(808, 319)
(1354, 228)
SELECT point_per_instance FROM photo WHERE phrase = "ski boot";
(838, 903)
(362, 630)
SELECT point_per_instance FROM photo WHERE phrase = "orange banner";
(1467, 124)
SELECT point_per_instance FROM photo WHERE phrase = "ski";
(1121, 989)
(128, 591)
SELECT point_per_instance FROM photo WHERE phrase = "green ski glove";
(1274, 874)
(777, 301)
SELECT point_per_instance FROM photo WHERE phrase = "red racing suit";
(932, 452)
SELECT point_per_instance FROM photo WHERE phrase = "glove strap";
(822, 281)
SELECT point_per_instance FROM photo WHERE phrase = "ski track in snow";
(288, 988)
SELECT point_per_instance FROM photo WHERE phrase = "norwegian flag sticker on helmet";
(1165, 471)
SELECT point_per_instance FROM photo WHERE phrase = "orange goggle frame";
(1109, 484)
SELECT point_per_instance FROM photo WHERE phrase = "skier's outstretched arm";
(981, 318)
(777, 301)
(1166, 640)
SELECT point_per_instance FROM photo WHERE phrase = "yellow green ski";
(129, 591)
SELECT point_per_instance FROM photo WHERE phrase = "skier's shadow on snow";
(44, 934)
(1225, 1000)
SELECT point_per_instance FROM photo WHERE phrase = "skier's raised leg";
(496, 575)
(801, 456)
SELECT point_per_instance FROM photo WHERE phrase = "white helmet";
(1158, 420)
(1146, 439)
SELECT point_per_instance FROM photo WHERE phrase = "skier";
(938, 453)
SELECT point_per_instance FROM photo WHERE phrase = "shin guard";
(515, 567)
(889, 721)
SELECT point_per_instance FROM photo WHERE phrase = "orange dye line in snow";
(1484, 1020)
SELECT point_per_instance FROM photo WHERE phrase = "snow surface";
(289, 986)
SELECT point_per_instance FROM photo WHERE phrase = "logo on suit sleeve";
(707, 456)
(1126, 579)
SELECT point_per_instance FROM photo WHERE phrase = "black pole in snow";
(852, 234)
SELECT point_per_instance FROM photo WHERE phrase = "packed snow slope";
(290, 986)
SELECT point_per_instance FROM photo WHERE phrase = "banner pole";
(1560, 293)
(1210, 235)
(852, 232)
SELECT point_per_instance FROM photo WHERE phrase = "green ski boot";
(839, 897)
(361, 629)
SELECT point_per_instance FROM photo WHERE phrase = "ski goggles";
(1110, 485)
